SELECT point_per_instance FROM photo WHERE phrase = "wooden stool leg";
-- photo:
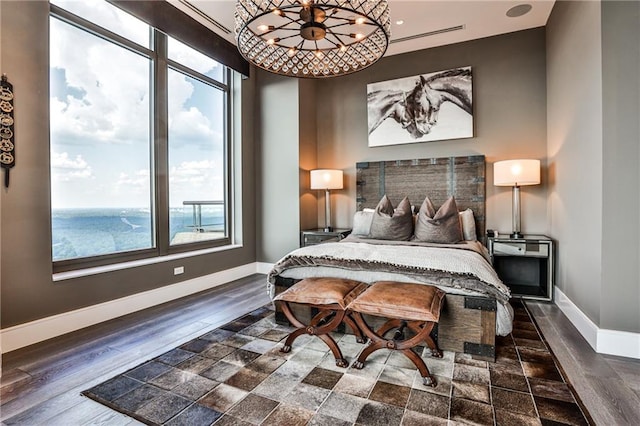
(388, 326)
(335, 349)
(422, 331)
(427, 380)
(376, 342)
(294, 334)
(356, 330)
(291, 338)
(405, 346)
(320, 325)
(433, 346)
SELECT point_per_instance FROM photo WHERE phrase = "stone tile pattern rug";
(236, 375)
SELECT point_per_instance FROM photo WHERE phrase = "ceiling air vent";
(430, 33)
(206, 17)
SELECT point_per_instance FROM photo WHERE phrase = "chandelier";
(312, 38)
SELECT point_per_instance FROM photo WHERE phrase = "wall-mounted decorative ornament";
(7, 135)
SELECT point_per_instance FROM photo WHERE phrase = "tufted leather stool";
(415, 306)
(330, 296)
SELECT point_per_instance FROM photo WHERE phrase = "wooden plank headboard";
(438, 178)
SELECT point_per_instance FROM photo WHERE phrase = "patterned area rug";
(236, 375)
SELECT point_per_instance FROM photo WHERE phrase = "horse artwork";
(423, 108)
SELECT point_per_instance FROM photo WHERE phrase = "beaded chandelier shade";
(312, 38)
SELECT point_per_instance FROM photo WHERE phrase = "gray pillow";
(442, 226)
(392, 224)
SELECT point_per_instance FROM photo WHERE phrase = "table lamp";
(326, 179)
(516, 173)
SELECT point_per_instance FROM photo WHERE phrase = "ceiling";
(426, 23)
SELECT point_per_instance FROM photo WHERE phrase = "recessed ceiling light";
(399, 22)
(519, 10)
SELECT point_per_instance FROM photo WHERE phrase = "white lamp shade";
(516, 172)
(326, 179)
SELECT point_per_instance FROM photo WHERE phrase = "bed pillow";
(442, 226)
(468, 223)
(362, 222)
(392, 224)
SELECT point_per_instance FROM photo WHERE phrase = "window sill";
(78, 273)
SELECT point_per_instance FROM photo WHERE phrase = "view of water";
(92, 232)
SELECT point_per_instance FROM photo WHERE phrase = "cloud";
(195, 180)
(114, 87)
(65, 169)
(193, 128)
(138, 179)
(191, 171)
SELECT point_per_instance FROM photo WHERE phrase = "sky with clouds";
(100, 118)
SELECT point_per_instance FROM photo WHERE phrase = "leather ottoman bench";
(406, 305)
(330, 296)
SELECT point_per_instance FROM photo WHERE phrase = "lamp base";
(516, 235)
(328, 229)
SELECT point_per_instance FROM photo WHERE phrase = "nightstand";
(310, 237)
(524, 264)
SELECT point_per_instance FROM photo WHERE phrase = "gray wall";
(574, 93)
(277, 174)
(509, 114)
(28, 292)
(620, 307)
(286, 114)
(308, 152)
(593, 91)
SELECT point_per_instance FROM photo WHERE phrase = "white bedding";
(458, 269)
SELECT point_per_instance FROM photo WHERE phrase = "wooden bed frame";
(467, 323)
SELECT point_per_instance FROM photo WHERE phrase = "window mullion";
(198, 76)
(161, 138)
(228, 156)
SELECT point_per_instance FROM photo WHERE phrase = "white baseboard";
(22, 335)
(585, 326)
(611, 342)
(620, 343)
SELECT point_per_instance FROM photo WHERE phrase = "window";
(140, 146)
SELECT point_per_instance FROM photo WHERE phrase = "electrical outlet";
(178, 270)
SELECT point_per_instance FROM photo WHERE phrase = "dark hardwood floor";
(41, 384)
(609, 386)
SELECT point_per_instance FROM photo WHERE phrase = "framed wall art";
(422, 108)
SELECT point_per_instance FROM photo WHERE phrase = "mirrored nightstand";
(310, 237)
(524, 264)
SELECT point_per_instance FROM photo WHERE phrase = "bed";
(476, 307)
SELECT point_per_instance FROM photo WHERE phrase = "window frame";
(159, 146)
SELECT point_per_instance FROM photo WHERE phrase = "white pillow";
(362, 222)
(468, 223)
